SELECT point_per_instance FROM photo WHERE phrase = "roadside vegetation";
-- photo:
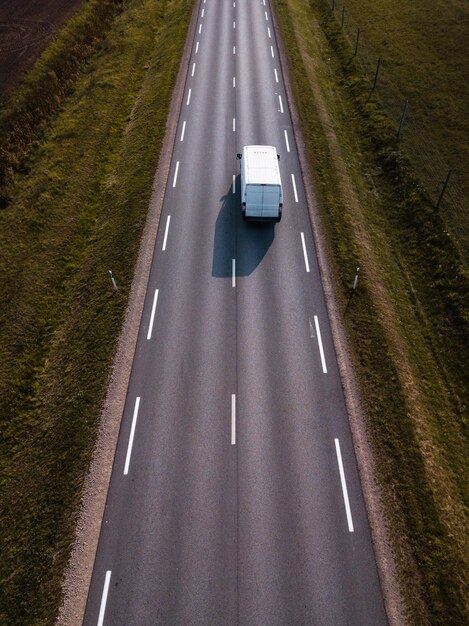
(80, 146)
(408, 321)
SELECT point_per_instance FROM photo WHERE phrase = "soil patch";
(26, 27)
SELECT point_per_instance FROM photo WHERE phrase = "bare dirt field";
(26, 26)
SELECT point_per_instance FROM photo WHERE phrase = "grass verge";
(407, 325)
(75, 211)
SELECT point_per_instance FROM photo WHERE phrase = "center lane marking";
(176, 174)
(233, 419)
(131, 438)
(102, 608)
(344, 486)
(294, 187)
(304, 252)
(152, 316)
(321, 349)
(166, 233)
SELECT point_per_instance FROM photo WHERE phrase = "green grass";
(407, 325)
(424, 52)
(76, 209)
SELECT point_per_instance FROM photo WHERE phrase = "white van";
(261, 187)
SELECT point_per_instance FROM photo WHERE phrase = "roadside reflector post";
(114, 284)
(354, 288)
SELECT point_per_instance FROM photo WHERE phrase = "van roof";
(261, 165)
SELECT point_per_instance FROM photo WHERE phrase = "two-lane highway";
(234, 497)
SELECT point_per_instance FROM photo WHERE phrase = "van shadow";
(247, 242)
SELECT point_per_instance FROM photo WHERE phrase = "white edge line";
(131, 438)
(233, 272)
(152, 316)
(183, 130)
(321, 349)
(166, 232)
(176, 173)
(344, 486)
(188, 97)
(233, 419)
(304, 252)
(102, 608)
(286, 141)
(294, 187)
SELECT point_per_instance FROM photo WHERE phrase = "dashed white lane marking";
(304, 252)
(234, 49)
(281, 105)
(233, 419)
(266, 16)
(234, 81)
(234, 183)
(263, 2)
(272, 52)
(166, 232)
(152, 316)
(102, 608)
(196, 47)
(203, 11)
(344, 486)
(132, 434)
(276, 75)
(233, 272)
(188, 97)
(321, 349)
(200, 29)
(183, 131)
(234, 125)
(286, 141)
(176, 174)
(234, 5)
(234, 24)
(193, 69)
(294, 187)
(268, 30)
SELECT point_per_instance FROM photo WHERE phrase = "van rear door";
(271, 201)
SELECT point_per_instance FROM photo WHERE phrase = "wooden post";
(356, 42)
(403, 116)
(343, 16)
(444, 189)
(376, 75)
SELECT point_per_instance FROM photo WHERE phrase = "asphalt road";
(235, 497)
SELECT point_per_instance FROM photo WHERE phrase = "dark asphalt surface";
(205, 524)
